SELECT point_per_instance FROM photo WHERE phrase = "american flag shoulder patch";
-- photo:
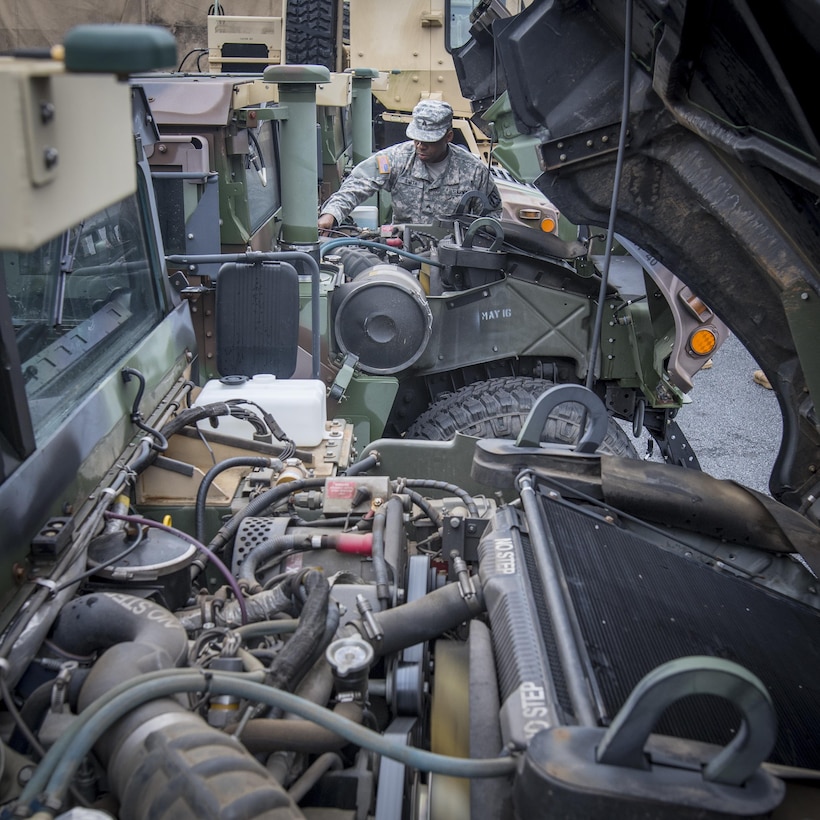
(383, 163)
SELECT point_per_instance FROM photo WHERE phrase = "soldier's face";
(433, 151)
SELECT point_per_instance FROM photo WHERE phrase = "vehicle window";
(79, 303)
(458, 22)
(262, 175)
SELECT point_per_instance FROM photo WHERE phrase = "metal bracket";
(569, 150)
(342, 380)
(39, 114)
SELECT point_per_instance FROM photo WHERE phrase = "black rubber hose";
(423, 504)
(96, 622)
(294, 660)
(363, 465)
(258, 505)
(358, 260)
(188, 416)
(163, 761)
(377, 555)
(423, 619)
(137, 636)
(210, 476)
(332, 620)
(263, 552)
(266, 735)
(430, 484)
(160, 441)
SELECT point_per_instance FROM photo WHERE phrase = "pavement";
(732, 423)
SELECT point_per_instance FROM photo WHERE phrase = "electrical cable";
(110, 562)
(226, 573)
(595, 342)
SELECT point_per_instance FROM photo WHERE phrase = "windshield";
(79, 303)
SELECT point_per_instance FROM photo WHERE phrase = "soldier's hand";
(327, 222)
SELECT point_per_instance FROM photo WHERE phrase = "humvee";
(235, 620)
(417, 330)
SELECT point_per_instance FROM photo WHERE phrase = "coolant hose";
(261, 553)
(379, 564)
(421, 620)
(210, 476)
(297, 656)
(260, 607)
(267, 735)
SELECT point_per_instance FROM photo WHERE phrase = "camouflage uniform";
(417, 196)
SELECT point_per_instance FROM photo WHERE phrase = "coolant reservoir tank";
(298, 405)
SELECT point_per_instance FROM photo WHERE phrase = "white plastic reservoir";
(298, 405)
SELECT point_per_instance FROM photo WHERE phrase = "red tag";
(340, 489)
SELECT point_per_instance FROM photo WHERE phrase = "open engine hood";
(720, 175)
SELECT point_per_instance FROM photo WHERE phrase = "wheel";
(497, 409)
(311, 32)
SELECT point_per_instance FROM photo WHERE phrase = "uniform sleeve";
(364, 181)
(491, 190)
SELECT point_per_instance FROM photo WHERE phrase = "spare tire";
(310, 32)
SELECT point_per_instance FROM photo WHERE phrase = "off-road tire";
(311, 32)
(497, 409)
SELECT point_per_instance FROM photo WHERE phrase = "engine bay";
(291, 632)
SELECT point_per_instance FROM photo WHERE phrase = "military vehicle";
(249, 619)
(419, 330)
(525, 307)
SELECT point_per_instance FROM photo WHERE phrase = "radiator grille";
(640, 606)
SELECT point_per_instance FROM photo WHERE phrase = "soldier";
(426, 176)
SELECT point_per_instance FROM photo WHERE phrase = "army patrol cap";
(432, 119)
